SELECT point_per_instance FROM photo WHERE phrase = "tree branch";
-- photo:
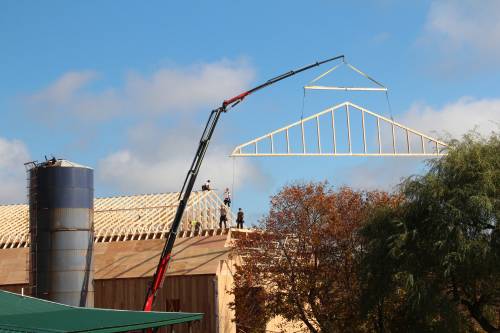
(475, 311)
(302, 313)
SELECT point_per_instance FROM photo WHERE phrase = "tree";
(305, 257)
(250, 315)
(438, 253)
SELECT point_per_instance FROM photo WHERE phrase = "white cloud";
(70, 96)
(64, 88)
(167, 90)
(380, 173)
(465, 33)
(456, 118)
(186, 89)
(13, 154)
(158, 163)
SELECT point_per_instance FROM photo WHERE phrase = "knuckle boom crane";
(192, 174)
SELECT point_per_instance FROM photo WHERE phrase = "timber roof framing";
(123, 218)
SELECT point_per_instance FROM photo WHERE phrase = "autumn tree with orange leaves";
(302, 263)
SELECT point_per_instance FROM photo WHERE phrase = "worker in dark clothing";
(240, 219)
(206, 186)
(223, 216)
(195, 226)
(227, 197)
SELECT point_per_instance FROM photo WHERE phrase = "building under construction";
(68, 247)
(129, 234)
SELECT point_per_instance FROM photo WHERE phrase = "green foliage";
(433, 263)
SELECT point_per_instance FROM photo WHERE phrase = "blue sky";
(126, 86)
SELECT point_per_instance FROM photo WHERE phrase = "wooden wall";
(225, 298)
(15, 288)
(194, 293)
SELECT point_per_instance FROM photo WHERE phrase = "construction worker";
(227, 197)
(206, 186)
(223, 216)
(195, 226)
(240, 219)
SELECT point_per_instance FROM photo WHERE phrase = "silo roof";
(59, 163)
(27, 314)
(69, 164)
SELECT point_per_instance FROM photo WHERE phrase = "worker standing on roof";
(240, 219)
(206, 186)
(223, 216)
(195, 226)
(227, 197)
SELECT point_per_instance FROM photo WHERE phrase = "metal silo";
(61, 202)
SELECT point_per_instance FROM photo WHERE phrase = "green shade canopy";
(27, 314)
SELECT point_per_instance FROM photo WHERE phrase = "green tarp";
(27, 314)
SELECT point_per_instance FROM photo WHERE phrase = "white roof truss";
(345, 129)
